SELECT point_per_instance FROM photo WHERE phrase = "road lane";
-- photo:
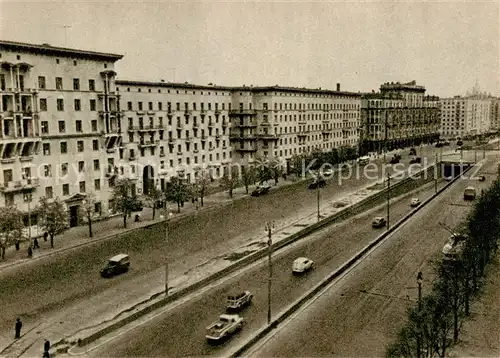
(360, 315)
(60, 280)
(185, 324)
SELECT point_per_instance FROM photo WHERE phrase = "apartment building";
(466, 116)
(59, 124)
(400, 115)
(495, 114)
(281, 122)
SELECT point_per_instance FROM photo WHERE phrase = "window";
(91, 85)
(62, 127)
(139, 105)
(47, 170)
(64, 168)
(43, 104)
(150, 106)
(64, 147)
(78, 125)
(160, 106)
(78, 105)
(45, 127)
(96, 164)
(46, 148)
(41, 82)
(80, 146)
(65, 189)
(82, 187)
(92, 104)
(94, 125)
(59, 83)
(129, 106)
(60, 104)
(97, 184)
(76, 84)
(49, 192)
(81, 166)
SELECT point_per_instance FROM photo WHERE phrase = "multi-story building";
(400, 115)
(58, 113)
(69, 128)
(495, 114)
(465, 116)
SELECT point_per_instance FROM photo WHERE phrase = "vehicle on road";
(446, 143)
(470, 193)
(414, 202)
(439, 144)
(224, 327)
(454, 247)
(413, 152)
(318, 182)
(459, 143)
(481, 178)
(116, 265)
(416, 160)
(261, 190)
(301, 265)
(378, 222)
(364, 160)
(237, 300)
(395, 159)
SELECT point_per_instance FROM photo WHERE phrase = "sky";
(446, 46)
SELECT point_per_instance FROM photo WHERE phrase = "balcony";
(217, 112)
(170, 113)
(147, 143)
(265, 124)
(241, 112)
(8, 160)
(302, 121)
(132, 158)
(112, 172)
(179, 125)
(217, 137)
(265, 110)
(188, 139)
(224, 123)
(20, 185)
(242, 137)
(196, 125)
(211, 124)
(203, 112)
(203, 138)
(246, 149)
(179, 153)
(150, 113)
(246, 124)
(162, 154)
(26, 158)
(187, 113)
(267, 136)
(140, 113)
(171, 140)
(302, 134)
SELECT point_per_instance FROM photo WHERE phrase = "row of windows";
(77, 105)
(59, 85)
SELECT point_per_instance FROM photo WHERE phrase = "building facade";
(70, 128)
(400, 115)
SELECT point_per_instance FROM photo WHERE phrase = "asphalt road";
(52, 283)
(181, 331)
(361, 314)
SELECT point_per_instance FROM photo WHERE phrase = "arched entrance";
(148, 179)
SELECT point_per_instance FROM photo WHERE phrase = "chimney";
(338, 87)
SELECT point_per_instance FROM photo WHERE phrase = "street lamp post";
(317, 197)
(27, 198)
(167, 218)
(419, 337)
(388, 198)
(269, 227)
(438, 167)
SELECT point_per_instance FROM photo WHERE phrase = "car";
(261, 190)
(224, 327)
(318, 182)
(395, 159)
(417, 160)
(414, 202)
(446, 143)
(364, 160)
(454, 247)
(413, 151)
(459, 143)
(378, 222)
(481, 178)
(439, 144)
(470, 193)
(237, 300)
(116, 265)
(301, 265)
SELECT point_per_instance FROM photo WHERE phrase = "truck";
(224, 327)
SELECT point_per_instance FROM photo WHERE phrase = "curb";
(365, 204)
(319, 287)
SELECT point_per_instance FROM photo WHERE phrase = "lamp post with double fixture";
(28, 197)
(166, 217)
(269, 228)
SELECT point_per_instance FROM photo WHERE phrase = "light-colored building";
(495, 114)
(400, 115)
(59, 123)
(465, 116)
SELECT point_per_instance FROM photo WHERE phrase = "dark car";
(413, 151)
(482, 178)
(378, 222)
(416, 160)
(439, 144)
(459, 143)
(116, 265)
(446, 143)
(317, 183)
(395, 159)
(261, 190)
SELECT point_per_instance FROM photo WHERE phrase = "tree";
(230, 179)
(153, 197)
(177, 192)
(248, 175)
(122, 199)
(87, 208)
(54, 218)
(11, 228)
(201, 184)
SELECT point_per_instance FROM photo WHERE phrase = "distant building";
(400, 115)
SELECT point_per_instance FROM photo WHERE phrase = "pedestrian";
(45, 236)
(17, 245)
(19, 325)
(46, 349)
(35, 243)
(30, 252)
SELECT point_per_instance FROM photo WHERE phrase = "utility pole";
(388, 199)
(167, 218)
(317, 197)
(27, 198)
(419, 337)
(475, 155)
(438, 167)
(269, 227)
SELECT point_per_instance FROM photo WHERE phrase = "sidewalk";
(78, 236)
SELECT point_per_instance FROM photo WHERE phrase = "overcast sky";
(444, 45)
